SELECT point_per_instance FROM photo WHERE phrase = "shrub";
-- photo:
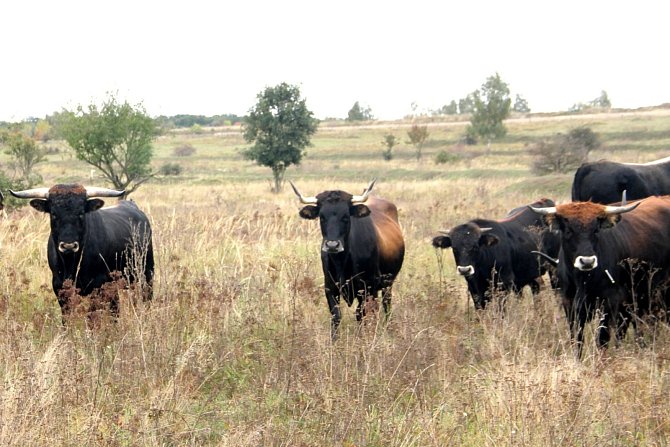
(444, 156)
(185, 150)
(563, 153)
(170, 169)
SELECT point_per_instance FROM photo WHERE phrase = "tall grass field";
(235, 348)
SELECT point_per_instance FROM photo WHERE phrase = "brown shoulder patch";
(581, 211)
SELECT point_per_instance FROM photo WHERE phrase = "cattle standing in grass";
(497, 253)
(87, 243)
(604, 181)
(612, 258)
(362, 248)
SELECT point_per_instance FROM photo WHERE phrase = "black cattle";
(362, 249)
(498, 253)
(610, 261)
(604, 181)
(87, 243)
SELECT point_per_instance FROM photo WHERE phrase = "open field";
(235, 348)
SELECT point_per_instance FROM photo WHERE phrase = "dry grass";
(235, 350)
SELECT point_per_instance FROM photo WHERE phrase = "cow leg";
(336, 317)
(386, 300)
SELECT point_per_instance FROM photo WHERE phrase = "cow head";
(580, 224)
(466, 242)
(67, 206)
(335, 209)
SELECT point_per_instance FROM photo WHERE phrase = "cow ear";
(609, 221)
(94, 205)
(488, 239)
(359, 210)
(441, 242)
(40, 205)
(309, 212)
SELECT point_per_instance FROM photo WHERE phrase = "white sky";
(214, 57)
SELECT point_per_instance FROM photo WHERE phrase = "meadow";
(235, 348)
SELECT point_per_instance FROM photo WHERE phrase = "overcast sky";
(214, 57)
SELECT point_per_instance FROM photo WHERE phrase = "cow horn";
(621, 209)
(362, 198)
(445, 232)
(37, 193)
(92, 191)
(623, 198)
(554, 261)
(305, 200)
(484, 229)
(543, 210)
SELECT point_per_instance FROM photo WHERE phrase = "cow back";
(390, 242)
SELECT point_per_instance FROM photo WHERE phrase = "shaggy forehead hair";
(583, 212)
(73, 188)
(333, 197)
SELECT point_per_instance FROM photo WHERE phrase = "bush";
(185, 150)
(563, 153)
(170, 169)
(444, 156)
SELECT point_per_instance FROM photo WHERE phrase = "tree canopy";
(280, 127)
(491, 106)
(116, 138)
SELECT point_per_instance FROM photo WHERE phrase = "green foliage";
(467, 104)
(491, 106)
(358, 113)
(520, 105)
(451, 108)
(417, 137)
(115, 138)
(444, 156)
(599, 103)
(389, 142)
(25, 155)
(170, 169)
(280, 126)
(563, 153)
(186, 121)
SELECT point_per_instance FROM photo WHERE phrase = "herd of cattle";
(606, 257)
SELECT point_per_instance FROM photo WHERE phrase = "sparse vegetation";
(564, 153)
(235, 350)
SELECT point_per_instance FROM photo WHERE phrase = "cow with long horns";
(604, 181)
(498, 254)
(614, 259)
(362, 249)
(88, 242)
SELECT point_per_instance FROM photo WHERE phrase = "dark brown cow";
(613, 258)
(362, 249)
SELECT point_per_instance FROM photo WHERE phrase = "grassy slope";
(235, 348)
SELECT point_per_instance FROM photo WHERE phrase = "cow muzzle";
(586, 263)
(332, 246)
(465, 270)
(68, 247)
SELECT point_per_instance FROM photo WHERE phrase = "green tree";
(280, 126)
(389, 143)
(417, 137)
(563, 153)
(467, 104)
(358, 113)
(602, 101)
(450, 109)
(25, 153)
(115, 138)
(520, 105)
(491, 106)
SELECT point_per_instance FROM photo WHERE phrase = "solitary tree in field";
(25, 154)
(280, 126)
(358, 113)
(417, 137)
(389, 143)
(115, 138)
(521, 105)
(491, 106)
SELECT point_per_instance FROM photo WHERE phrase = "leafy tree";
(564, 153)
(491, 106)
(389, 143)
(602, 101)
(280, 126)
(358, 113)
(115, 138)
(417, 137)
(520, 105)
(467, 104)
(25, 155)
(450, 109)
